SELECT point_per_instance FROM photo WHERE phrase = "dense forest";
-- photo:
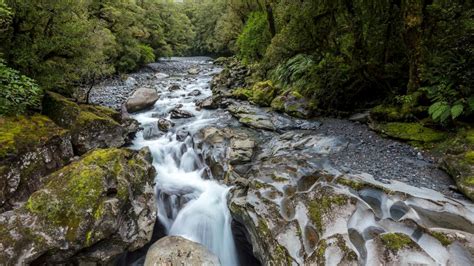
(236, 132)
(414, 56)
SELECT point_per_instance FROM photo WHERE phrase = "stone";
(409, 132)
(175, 250)
(90, 126)
(89, 211)
(141, 99)
(194, 93)
(161, 76)
(165, 125)
(174, 87)
(131, 82)
(292, 103)
(31, 147)
(360, 117)
(194, 71)
(206, 103)
(178, 113)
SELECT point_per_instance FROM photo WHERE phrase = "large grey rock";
(141, 99)
(177, 251)
(88, 212)
(31, 148)
(91, 127)
(297, 208)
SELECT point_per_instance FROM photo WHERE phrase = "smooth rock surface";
(141, 99)
(177, 251)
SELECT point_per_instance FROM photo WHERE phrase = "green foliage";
(18, 93)
(255, 38)
(5, 16)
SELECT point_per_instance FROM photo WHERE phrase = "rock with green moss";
(461, 168)
(292, 103)
(89, 211)
(414, 132)
(263, 93)
(30, 148)
(91, 127)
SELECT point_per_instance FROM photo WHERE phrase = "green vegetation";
(411, 132)
(396, 241)
(21, 133)
(322, 206)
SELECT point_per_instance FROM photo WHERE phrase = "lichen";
(396, 241)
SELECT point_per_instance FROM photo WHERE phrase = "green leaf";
(457, 110)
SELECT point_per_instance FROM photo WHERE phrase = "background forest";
(413, 57)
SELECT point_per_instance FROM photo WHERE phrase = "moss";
(411, 132)
(470, 136)
(442, 238)
(321, 251)
(396, 241)
(322, 206)
(263, 93)
(469, 156)
(76, 192)
(387, 113)
(19, 134)
(278, 104)
(242, 93)
(352, 184)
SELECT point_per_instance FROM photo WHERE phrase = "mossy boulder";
(414, 132)
(91, 127)
(31, 147)
(99, 207)
(292, 103)
(461, 168)
(263, 93)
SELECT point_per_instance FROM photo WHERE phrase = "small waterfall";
(189, 205)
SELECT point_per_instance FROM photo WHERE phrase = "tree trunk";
(413, 16)
(271, 19)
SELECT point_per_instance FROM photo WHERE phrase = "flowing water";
(190, 203)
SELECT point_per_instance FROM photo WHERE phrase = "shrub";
(255, 38)
(18, 93)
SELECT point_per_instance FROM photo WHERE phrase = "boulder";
(90, 126)
(295, 207)
(88, 212)
(141, 99)
(292, 103)
(226, 150)
(30, 148)
(178, 113)
(409, 132)
(175, 251)
(461, 168)
(165, 125)
(194, 71)
(206, 103)
(194, 93)
(174, 87)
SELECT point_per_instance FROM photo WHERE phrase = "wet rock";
(161, 76)
(141, 99)
(151, 131)
(178, 113)
(90, 211)
(175, 250)
(360, 117)
(207, 103)
(181, 135)
(31, 148)
(225, 150)
(174, 87)
(194, 71)
(194, 93)
(165, 125)
(90, 126)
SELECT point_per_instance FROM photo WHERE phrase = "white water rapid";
(189, 204)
